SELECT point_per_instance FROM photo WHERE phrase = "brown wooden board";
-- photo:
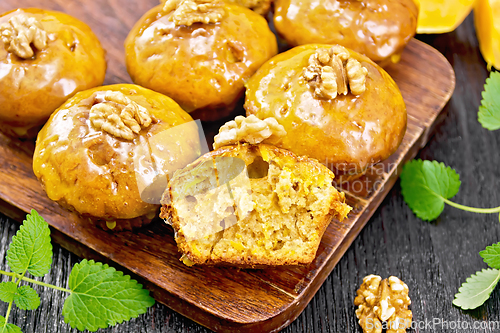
(223, 299)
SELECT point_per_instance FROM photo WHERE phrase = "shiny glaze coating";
(348, 133)
(203, 67)
(101, 176)
(31, 89)
(379, 29)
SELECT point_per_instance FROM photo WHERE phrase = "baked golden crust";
(73, 60)
(203, 67)
(347, 133)
(261, 7)
(100, 175)
(379, 29)
(274, 217)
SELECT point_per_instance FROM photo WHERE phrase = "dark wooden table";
(432, 258)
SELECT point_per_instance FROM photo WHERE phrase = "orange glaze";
(102, 176)
(348, 133)
(379, 29)
(31, 89)
(203, 67)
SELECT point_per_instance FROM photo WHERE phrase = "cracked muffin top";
(45, 58)
(101, 150)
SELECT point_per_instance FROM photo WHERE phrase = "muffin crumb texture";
(187, 12)
(20, 32)
(118, 115)
(331, 72)
(251, 206)
(250, 129)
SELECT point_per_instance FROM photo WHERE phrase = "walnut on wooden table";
(381, 301)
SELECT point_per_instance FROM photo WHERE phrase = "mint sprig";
(8, 328)
(477, 288)
(31, 249)
(26, 298)
(491, 255)
(100, 296)
(427, 185)
(489, 111)
(114, 297)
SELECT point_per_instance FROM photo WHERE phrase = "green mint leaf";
(491, 255)
(425, 185)
(489, 111)
(102, 297)
(7, 291)
(31, 248)
(26, 298)
(477, 289)
(8, 328)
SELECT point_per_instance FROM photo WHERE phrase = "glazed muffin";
(251, 205)
(336, 105)
(45, 58)
(261, 7)
(103, 150)
(379, 29)
(200, 53)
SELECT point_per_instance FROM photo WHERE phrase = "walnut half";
(251, 129)
(329, 73)
(187, 12)
(118, 115)
(383, 301)
(20, 32)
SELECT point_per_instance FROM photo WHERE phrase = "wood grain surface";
(395, 242)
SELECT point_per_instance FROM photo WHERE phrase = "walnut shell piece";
(383, 301)
(20, 32)
(250, 129)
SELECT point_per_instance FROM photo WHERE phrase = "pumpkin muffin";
(336, 105)
(199, 52)
(45, 58)
(251, 204)
(103, 152)
(379, 29)
(261, 7)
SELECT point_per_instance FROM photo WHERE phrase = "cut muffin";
(251, 205)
